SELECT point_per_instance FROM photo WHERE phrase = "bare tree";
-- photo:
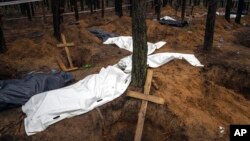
(56, 17)
(228, 10)
(140, 49)
(239, 11)
(209, 31)
(3, 47)
(183, 9)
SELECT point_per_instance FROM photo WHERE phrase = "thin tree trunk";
(3, 47)
(28, 11)
(76, 10)
(209, 31)
(91, 6)
(140, 49)
(32, 9)
(130, 8)
(103, 8)
(82, 5)
(164, 3)
(158, 8)
(228, 10)
(118, 8)
(56, 18)
(183, 10)
(239, 11)
(23, 9)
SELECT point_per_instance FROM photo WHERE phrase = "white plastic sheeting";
(47, 108)
(232, 16)
(50, 107)
(159, 59)
(126, 42)
(167, 18)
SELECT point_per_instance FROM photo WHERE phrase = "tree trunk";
(183, 10)
(118, 8)
(91, 6)
(3, 47)
(130, 8)
(164, 3)
(28, 11)
(56, 18)
(140, 49)
(228, 10)
(76, 10)
(158, 8)
(209, 31)
(103, 8)
(239, 11)
(82, 5)
(32, 9)
(23, 9)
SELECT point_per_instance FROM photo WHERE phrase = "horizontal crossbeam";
(149, 98)
(65, 45)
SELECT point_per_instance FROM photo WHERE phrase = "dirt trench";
(230, 77)
(120, 119)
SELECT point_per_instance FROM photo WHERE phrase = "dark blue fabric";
(174, 23)
(17, 92)
(101, 34)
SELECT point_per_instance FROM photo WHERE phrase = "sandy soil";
(198, 100)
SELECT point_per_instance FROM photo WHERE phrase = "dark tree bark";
(247, 6)
(164, 3)
(27, 6)
(76, 10)
(3, 47)
(228, 10)
(130, 8)
(103, 8)
(91, 6)
(140, 49)
(183, 9)
(32, 9)
(222, 3)
(209, 31)
(118, 8)
(158, 4)
(98, 4)
(82, 5)
(71, 2)
(23, 9)
(62, 9)
(95, 4)
(239, 11)
(56, 18)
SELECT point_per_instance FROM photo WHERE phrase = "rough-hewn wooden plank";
(144, 105)
(67, 51)
(66, 45)
(63, 67)
(150, 98)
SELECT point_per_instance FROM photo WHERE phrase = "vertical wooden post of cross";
(145, 97)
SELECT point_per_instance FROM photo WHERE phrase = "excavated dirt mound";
(199, 102)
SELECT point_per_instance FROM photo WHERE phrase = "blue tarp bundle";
(16, 92)
(174, 23)
(101, 34)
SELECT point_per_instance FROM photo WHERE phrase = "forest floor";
(201, 103)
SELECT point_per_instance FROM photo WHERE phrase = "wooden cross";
(145, 98)
(65, 45)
